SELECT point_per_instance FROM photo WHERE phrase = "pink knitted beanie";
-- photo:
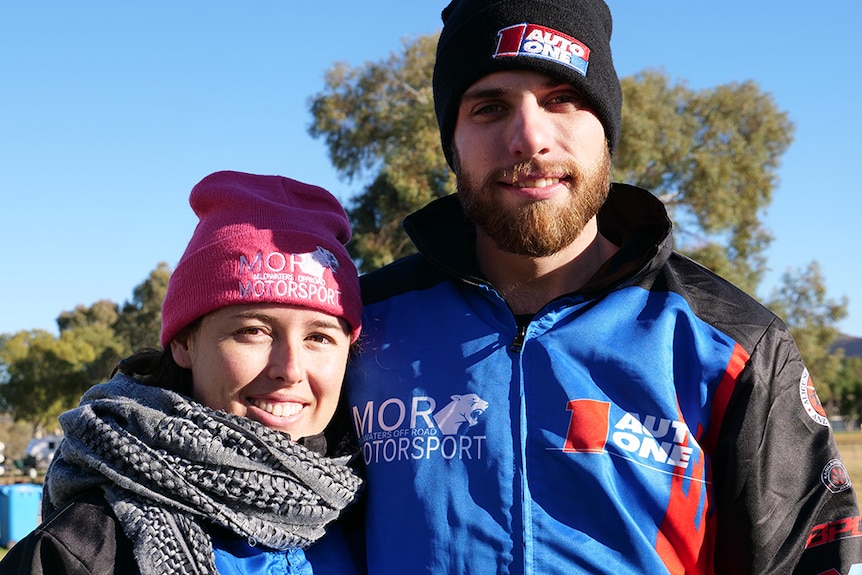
(263, 239)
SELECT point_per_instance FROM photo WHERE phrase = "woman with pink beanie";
(229, 450)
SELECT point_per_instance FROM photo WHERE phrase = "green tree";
(847, 386)
(801, 300)
(103, 312)
(14, 351)
(712, 157)
(95, 325)
(42, 375)
(380, 119)
(16, 435)
(140, 321)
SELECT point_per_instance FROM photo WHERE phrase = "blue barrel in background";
(20, 509)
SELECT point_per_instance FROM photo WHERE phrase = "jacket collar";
(632, 218)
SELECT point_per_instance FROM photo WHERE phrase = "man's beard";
(539, 228)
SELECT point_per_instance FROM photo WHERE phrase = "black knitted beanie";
(568, 39)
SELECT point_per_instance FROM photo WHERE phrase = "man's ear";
(181, 350)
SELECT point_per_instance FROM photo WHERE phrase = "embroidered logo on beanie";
(537, 41)
(293, 277)
(263, 239)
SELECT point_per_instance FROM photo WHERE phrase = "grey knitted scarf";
(168, 465)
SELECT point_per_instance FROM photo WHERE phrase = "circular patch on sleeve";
(810, 401)
(835, 476)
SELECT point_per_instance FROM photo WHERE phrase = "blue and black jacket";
(659, 420)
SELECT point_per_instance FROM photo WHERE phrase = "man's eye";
(572, 99)
(487, 109)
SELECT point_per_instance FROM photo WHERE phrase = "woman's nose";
(286, 363)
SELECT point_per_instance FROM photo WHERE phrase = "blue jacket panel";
(234, 556)
(331, 555)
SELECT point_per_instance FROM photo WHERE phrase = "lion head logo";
(314, 263)
(460, 414)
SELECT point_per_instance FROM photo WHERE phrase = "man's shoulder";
(407, 274)
(719, 302)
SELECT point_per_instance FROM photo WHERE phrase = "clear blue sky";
(111, 111)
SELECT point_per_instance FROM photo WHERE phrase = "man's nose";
(529, 132)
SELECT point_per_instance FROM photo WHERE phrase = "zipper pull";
(518, 342)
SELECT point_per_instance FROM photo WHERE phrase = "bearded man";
(611, 405)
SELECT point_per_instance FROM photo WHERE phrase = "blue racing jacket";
(659, 420)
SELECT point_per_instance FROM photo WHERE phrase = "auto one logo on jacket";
(395, 430)
(651, 440)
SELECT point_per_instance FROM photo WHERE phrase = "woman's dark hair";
(157, 367)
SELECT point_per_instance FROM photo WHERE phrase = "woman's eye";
(252, 331)
(320, 338)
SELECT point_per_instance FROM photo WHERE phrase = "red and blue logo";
(653, 441)
(534, 41)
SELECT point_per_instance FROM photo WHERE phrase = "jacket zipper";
(518, 342)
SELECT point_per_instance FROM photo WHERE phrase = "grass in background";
(850, 447)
